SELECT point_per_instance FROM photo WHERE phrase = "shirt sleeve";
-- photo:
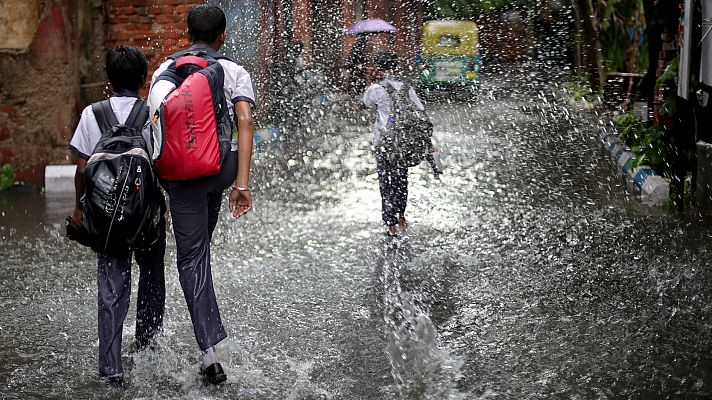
(238, 85)
(82, 144)
(161, 68)
(372, 95)
(415, 99)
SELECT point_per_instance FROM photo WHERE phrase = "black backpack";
(122, 204)
(404, 141)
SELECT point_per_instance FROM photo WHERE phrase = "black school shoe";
(113, 381)
(213, 374)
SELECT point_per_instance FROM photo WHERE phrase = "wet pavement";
(528, 273)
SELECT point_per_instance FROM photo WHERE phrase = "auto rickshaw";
(449, 55)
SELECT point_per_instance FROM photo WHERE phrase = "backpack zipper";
(118, 202)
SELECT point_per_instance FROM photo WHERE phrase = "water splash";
(421, 365)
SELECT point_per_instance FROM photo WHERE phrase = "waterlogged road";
(528, 273)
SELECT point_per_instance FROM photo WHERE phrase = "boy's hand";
(240, 202)
(77, 217)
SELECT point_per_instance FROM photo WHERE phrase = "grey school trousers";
(114, 294)
(195, 206)
(393, 184)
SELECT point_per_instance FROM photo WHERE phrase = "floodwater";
(528, 272)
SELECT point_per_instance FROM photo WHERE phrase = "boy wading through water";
(195, 203)
(392, 177)
(126, 69)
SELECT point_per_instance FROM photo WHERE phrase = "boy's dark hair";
(206, 23)
(126, 68)
(386, 61)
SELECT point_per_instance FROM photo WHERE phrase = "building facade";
(52, 55)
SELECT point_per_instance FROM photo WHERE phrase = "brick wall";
(157, 27)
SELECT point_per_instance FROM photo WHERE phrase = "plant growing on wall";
(668, 80)
(7, 176)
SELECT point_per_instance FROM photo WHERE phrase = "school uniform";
(114, 271)
(195, 206)
(392, 180)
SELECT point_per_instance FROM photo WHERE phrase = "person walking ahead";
(195, 203)
(126, 69)
(392, 177)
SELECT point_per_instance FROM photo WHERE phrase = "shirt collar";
(126, 93)
(201, 46)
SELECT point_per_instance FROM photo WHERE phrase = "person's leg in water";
(189, 209)
(212, 369)
(151, 298)
(195, 209)
(400, 178)
(114, 293)
(387, 186)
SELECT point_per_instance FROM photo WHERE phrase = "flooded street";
(528, 272)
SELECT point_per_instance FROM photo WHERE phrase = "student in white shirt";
(126, 69)
(195, 203)
(393, 180)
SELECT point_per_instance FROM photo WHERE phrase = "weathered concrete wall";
(39, 86)
(18, 22)
(52, 57)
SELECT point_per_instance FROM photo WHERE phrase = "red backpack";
(192, 129)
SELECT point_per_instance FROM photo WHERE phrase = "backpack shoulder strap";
(179, 54)
(138, 115)
(105, 116)
(205, 53)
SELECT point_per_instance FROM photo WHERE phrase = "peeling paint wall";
(39, 86)
(18, 22)
(52, 57)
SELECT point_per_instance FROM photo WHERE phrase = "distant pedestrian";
(195, 203)
(126, 69)
(392, 176)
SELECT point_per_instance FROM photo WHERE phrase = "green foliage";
(651, 151)
(7, 176)
(618, 19)
(630, 128)
(579, 89)
(669, 78)
(645, 140)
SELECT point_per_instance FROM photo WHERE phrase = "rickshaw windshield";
(449, 38)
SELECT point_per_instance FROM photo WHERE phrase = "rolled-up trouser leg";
(151, 289)
(114, 293)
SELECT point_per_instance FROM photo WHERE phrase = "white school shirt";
(87, 134)
(377, 96)
(237, 84)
